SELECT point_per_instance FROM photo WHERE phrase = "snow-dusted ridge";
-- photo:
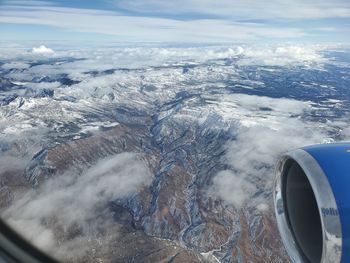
(208, 122)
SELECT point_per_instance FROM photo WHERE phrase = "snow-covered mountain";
(146, 153)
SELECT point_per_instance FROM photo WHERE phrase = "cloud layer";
(244, 9)
(139, 28)
(261, 137)
(187, 21)
(71, 201)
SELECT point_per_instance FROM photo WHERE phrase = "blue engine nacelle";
(312, 203)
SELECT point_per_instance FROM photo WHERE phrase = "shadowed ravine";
(189, 142)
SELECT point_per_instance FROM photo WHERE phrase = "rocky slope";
(189, 120)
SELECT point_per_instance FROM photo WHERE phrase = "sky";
(177, 21)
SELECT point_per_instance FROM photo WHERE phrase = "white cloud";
(244, 9)
(144, 28)
(232, 187)
(284, 55)
(17, 65)
(186, 21)
(24, 3)
(155, 55)
(261, 137)
(71, 200)
(346, 132)
(42, 50)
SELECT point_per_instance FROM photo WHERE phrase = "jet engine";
(312, 203)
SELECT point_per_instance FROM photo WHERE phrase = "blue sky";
(188, 21)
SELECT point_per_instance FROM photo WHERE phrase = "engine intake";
(312, 203)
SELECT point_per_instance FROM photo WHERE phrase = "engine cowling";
(312, 203)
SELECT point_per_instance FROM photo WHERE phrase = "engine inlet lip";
(330, 223)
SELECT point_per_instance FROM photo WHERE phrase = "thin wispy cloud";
(261, 138)
(71, 201)
(140, 28)
(243, 9)
(184, 21)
